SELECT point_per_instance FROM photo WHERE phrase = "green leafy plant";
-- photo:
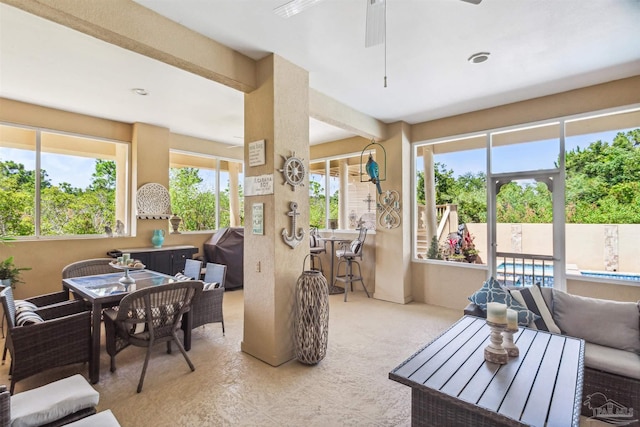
(8, 270)
(434, 249)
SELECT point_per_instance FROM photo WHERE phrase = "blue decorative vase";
(158, 238)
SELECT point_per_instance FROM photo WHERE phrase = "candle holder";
(508, 344)
(494, 352)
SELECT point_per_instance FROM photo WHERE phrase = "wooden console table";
(451, 383)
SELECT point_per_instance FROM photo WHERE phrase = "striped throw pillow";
(212, 285)
(531, 297)
(25, 314)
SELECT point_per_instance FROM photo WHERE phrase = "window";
(205, 191)
(56, 184)
(336, 192)
(603, 194)
(589, 165)
(450, 174)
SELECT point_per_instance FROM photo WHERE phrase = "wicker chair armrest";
(67, 308)
(48, 299)
(474, 310)
(207, 308)
(5, 406)
(42, 346)
(65, 335)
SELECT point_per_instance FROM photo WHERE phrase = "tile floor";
(350, 387)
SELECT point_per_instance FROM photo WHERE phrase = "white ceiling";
(538, 47)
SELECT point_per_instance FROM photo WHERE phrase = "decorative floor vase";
(311, 323)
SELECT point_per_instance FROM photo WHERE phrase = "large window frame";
(53, 142)
(567, 125)
(216, 164)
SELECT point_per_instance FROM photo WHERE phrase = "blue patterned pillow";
(492, 291)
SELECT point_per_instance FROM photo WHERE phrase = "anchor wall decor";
(294, 238)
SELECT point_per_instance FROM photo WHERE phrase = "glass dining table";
(106, 290)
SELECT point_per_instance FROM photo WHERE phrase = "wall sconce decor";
(389, 208)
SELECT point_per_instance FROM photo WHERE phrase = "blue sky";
(516, 157)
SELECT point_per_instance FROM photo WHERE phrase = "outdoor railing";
(516, 269)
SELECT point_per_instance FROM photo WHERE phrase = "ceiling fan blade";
(376, 22)
(473, 1)
(294, 7)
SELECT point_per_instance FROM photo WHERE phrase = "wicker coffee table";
(451, 383)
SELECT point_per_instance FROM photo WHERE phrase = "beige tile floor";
(350, 387)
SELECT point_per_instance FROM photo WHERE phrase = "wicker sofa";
(612, 357)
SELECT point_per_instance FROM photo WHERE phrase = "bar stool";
(316, 247)
(347, 256)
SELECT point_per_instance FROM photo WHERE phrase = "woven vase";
(311, 323)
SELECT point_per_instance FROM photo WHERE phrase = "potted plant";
(9, 273)
(469, 248)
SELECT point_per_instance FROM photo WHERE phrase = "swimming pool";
(527, 274)
(519, 274)
(612, 275)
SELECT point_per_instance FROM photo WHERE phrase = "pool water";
(519, 274)
(611, 275)
(528, 274)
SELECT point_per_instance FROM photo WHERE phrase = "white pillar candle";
(512, 319)
(497, 313)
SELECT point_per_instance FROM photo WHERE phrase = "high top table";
(105, 290)
(451, 383)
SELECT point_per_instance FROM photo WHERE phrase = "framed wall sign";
(257, 219)
(258, 185)
(256, 153)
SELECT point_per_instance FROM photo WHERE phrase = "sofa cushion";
(609, 323)
(101, 419)
(492, 291)
(531, 297)
(53, 401)
(623, 363)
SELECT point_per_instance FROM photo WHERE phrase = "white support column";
(429, 193)
(234, 197)
(343, 206)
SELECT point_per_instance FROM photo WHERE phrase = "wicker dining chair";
(88, 267)
(63, 337)
(148, 316)
(208, 308)
(192, 269)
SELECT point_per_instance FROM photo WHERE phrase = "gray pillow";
(609, 323)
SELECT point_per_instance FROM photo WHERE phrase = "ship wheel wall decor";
(293, 171)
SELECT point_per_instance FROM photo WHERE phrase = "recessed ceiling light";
(140, 91)
(479, 57)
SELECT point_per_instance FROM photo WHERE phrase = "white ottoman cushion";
(101, 419)
(53, 401)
